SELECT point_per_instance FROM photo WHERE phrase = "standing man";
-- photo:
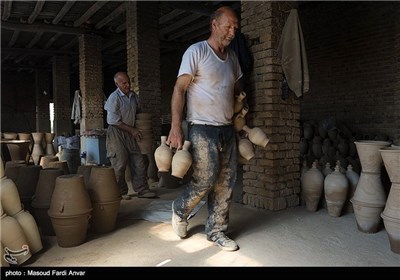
(122, 138)
(209, 74)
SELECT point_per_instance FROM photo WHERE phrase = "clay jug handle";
(61, 209)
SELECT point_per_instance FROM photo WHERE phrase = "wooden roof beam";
(89, 13)
(36, 11)
(179, 24)
(14, 38)
(6, 10)
(121, 8)
(68, 5)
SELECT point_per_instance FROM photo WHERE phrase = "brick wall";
(42, 83)
(143, 51)
(91, 81)
(271, 178)
(61, 95)
(353, 54)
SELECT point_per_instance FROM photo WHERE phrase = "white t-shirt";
(210, 95)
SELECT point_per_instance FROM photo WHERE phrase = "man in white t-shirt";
(208, 81)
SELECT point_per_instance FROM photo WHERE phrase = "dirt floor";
(292, 237)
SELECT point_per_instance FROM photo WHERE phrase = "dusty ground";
(293, 237)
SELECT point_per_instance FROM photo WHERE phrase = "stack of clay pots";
(143, 122)
(70, 210)
(179, 163)
(42, 199)
(20, 237)
(17, 145)
(105, 196)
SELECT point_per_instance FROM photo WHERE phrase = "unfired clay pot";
(163, 156)
(181, 161)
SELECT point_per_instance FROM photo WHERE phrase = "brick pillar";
(42, 82)
(271, 178)
(62, 96)
(143, 51)
(91, 83)
(396, 113)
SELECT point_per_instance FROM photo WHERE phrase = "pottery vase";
(9, 196)
(353, 178)
(246, 149)
(312, 187)
(336, 187)
(181, 161)
(49, 137)
(31, 231)
(239, 102)
(37, 150)
(256, 136)
(163, 156)
(239, 121)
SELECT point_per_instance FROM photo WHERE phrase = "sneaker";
(179, 225)
(146, 194)
(224, 242)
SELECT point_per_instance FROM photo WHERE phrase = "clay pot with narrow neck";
(336, 187)
(163, 156)
(181, 161)
(239, 102)
(246, 149)
(312, 187)
(239, 121)
(256, 136)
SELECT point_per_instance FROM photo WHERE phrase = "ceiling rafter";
(89, 13)
(38, 8)
(52, 40)
(190, 29)
(14, 38)
(121, 8)
(179, 24)
(68, 5)
(170, 16)
(7, 10)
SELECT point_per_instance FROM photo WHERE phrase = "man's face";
(225, 28)
(123, 84)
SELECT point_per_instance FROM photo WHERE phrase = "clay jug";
(31, 231)
(45, 187)
(312, 187)
(104, 216)
(246, 149)
(9, 196)
(327, 170)
(181, 161)
(336, 187)
(37, 150)
(240, 120)
(16, 248)
(256, 136)
(239, 102)
(85, 170)
(163, 156)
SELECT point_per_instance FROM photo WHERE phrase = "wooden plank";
(7, 10)
(14, 38)
(89, 13)
(170, 16)
(63, 11)
(52, 40)
(35, 39)
(179, 24)
(38, 8)
(111, 16)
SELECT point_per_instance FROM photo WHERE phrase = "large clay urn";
(37, 150)
(4, 263)
(336, 187)
(104, 216)
(369, 198)
(31, 231)
(312, 187)
(103, 185)
(256, 136)
(239, 102)
(181, 161)
(163, 156)
(391, 213)
(353, 178)
(16, 248)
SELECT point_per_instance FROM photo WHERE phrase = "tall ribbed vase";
(312, 187)
(391, 213)
(369, 198)
(37, 150)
